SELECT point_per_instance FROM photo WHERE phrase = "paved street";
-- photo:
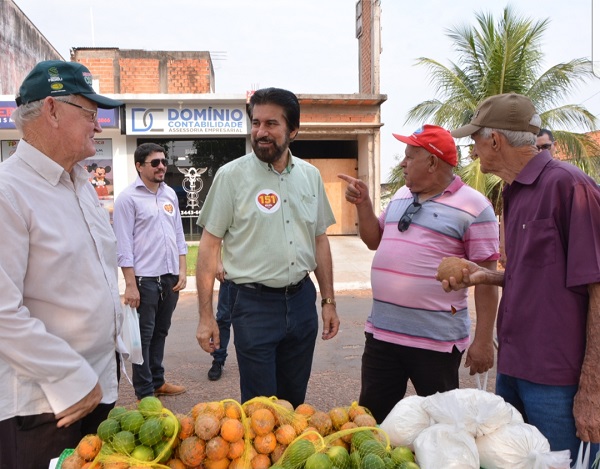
(336, 369)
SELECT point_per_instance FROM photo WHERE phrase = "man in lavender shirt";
(151, 252)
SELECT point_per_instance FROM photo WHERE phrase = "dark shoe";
(169, 389)
(215, 372)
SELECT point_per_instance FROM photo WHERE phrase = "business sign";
(108, 118)
(205, 120)
(6, 110)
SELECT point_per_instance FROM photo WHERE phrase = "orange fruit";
(299, 422)
(277, 453)
(216, 408)
(265, 444)
(347, 426)
(192, 451)
(365, 420)
(287, 404)
(89, 447)
(285, 434)
(198, 409)
(355, 410)
(232, 410)
(261, 461)
(218, 464)
(310, 434)
(305, 409)
(339, 416)
(236, 449)
(74, 461)
(232, 429)
(207, 426)
(175, 464)
(262, 421)
(186, 426)
(322, 422)
(217, 448)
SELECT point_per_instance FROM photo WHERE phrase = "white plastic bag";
(405, 421)
(446, 446)
(519, 446)
(583, 458)
(130, 335)
(479, 412)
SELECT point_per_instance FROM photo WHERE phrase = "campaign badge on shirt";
(267, 201)
(169, 210)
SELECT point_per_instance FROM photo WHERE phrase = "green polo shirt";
(268, 221)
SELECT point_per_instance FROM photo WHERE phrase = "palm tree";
(502, 58)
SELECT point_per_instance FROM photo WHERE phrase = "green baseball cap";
(58, 78)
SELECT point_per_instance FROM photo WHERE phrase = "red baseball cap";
(436, 140)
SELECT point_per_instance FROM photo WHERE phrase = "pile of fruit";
(260, 434)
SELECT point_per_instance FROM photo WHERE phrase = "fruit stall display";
(259, 434)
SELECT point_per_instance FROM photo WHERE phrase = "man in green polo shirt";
(270, 211)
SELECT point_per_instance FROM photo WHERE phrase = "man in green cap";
(61, 310)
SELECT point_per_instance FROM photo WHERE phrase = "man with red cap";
(415, 332)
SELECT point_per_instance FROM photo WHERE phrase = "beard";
(273, 153)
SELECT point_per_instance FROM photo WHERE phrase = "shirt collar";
(269, 166)
(46, 167)
(534, 168)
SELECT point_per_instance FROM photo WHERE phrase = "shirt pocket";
(539, 242)
(307, 208)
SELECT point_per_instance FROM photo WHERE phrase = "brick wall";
(148, 72)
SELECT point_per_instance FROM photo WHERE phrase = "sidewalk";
(351, 266)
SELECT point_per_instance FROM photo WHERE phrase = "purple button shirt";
(552, 227)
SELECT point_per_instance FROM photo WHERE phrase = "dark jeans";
(31, 442)
(274, 336)
(157, 303)
(386, 369)
(223, 321)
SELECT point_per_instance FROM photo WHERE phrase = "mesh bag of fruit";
(142, 436)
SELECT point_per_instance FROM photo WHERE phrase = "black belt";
(289, 289)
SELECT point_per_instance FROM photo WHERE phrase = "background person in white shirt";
(60, 306)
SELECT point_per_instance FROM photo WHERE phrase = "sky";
(309, 46)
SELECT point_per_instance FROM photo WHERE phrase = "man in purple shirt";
(151, 252)
(549, 315)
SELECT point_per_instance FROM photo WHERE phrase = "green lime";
(371, 447)
(318, 461)
(151, 432)
(164, 448)
(107, 429)
(170, 425)
(372, 461)
(402, 453)
(124, 442)
(339, 456)
(150, 406)
(116, 413)
(361, 436)
(142, 453)
(132, 420)
(297, 453)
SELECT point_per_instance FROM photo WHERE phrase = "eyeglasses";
(409, 213)
(545, 146)
(92, 112)
(154, 163)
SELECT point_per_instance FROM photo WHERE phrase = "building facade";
(169, 99)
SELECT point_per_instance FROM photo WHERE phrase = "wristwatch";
(327, 301)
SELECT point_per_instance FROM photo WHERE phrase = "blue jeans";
(549, 408)
(274, 336)
(157, 303)
(223, 321)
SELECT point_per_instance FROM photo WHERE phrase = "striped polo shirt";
(409, 305)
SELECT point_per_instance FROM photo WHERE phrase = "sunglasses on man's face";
(154, 163)
(409, 213)
(545, 146)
